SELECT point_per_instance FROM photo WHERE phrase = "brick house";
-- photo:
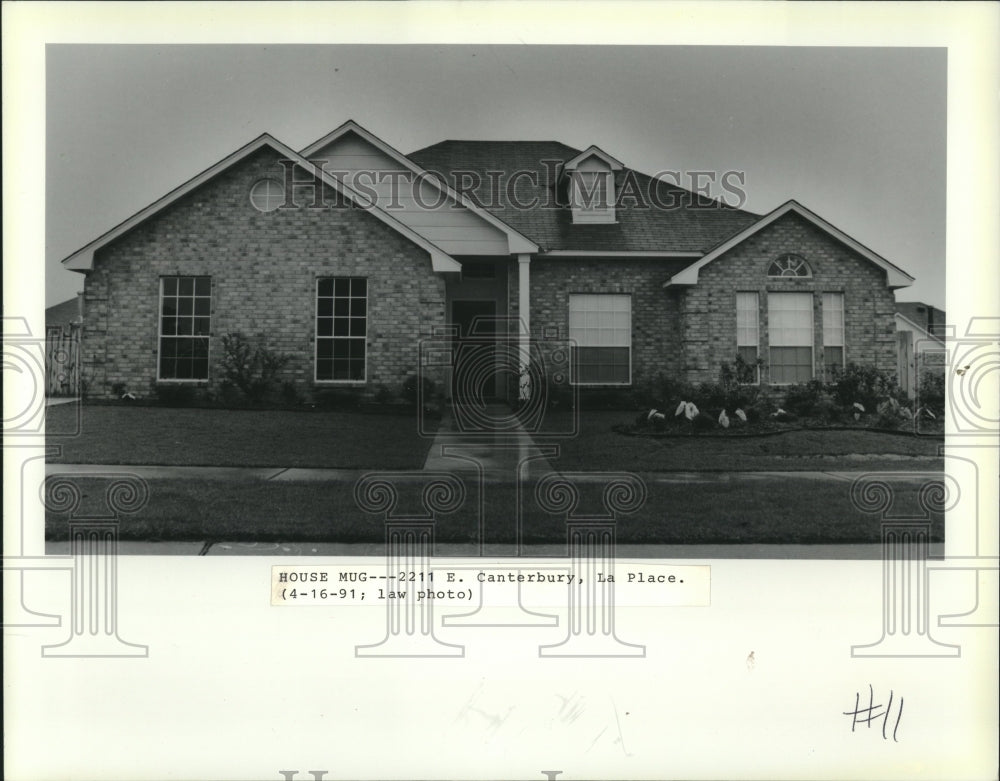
(348, 256)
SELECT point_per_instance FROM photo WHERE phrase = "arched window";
(789, 265)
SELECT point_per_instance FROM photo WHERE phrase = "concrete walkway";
(501, 455)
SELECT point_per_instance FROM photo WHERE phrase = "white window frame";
(789, 255)
(770, 332)
(592, 214)
(754, 318)
(160, 335)
(576, 343)
(828, 298)
(317, 337)
(267, 184)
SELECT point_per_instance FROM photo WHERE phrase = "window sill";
(204, 382)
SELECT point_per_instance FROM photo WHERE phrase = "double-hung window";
(748, 331)
(790, 334)
(341, 329)
(185, 327)
(833, 333)
(601, 327)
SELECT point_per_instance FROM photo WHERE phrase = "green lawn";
(118, 434)
(748, 511)
(597, 446)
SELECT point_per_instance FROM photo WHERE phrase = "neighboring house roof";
(516, 241)
(895, 276)
(917, 328)
(83, 258)
(63, 313)
(928, 317)
(693, 226)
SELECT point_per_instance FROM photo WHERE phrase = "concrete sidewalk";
(496, 469)
(861, 551)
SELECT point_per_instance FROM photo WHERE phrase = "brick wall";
(708, 313)
(656, 351)
(264, 269)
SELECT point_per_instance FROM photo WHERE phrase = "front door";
(476, 377)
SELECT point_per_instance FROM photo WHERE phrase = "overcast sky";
(857, 135)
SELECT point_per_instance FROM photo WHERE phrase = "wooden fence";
(62, 360)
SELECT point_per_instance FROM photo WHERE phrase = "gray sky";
(855, 134)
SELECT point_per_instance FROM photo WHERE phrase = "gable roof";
(83, 258)
(692, 226)
(895, 276)
(594, 151)
(517, 242)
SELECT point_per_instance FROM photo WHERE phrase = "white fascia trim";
(895, 277)
(516, 242)
(919, 328)
(594, 151)
(572, 253)
(83, 259)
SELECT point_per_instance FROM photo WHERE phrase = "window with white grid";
(341, 329)
(790, 334)
(833, 333)
(185, 325)
(748, 330)
(601, 326)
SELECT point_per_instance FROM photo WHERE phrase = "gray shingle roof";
(694, 224)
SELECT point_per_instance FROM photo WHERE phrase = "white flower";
(930, 413)
(741, 415)
(778, 413)
(723, 419)
(680, 408)
(905, 412)
(858, 406)
(658, 416)
(690, 411)
(651, 413)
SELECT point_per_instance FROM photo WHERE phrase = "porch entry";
(478, 374)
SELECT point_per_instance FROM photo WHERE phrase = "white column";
(524, 313)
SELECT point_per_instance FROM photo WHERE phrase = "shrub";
(930, 391)
(289, 393)
(251, 369)
(866, 385)
(805, 400)
(383, 395)
(410, 387)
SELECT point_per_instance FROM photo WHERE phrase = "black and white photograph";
(280, 268)
(501, 390)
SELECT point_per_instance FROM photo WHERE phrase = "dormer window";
(591, 186)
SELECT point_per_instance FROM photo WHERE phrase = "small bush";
(866, 385)
(251, 369)
(289, 393)
(383, 395)
(806, 399)
(410, 388)
(930, 391)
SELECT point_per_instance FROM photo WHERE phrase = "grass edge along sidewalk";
(736, 509)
